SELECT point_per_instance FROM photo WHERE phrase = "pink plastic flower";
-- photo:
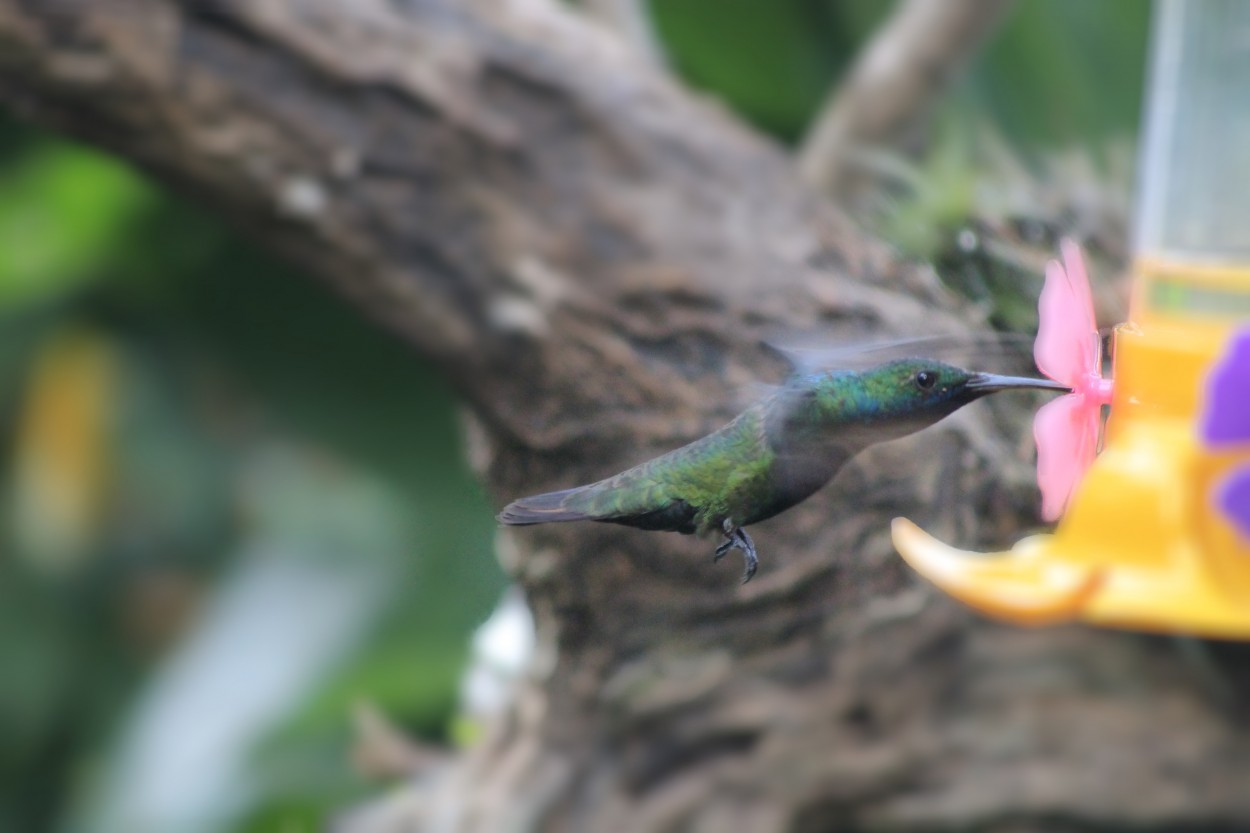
(1068, 350)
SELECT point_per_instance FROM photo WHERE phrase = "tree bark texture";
(895, 84)
(593, 255)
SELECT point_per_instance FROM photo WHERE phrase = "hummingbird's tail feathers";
(607, 501)
(551, 507)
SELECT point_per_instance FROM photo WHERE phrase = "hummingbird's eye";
(925, 379)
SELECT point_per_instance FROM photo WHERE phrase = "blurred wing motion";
(1067, 350)
(957, 348)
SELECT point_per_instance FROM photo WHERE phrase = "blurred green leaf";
(1064, 71)
(771, 60)
(62, 211)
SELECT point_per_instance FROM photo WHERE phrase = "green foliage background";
(224, 360)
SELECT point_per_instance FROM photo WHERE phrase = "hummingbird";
(774, 455)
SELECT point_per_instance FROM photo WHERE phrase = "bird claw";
(751, 561)
(737, 538)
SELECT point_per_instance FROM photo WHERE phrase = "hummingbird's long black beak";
(992, 383)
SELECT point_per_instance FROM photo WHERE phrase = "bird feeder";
(1153, 529)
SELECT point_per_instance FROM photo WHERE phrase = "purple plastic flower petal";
(1233, 496)
(1226, 419)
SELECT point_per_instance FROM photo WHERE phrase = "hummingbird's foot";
(736, 538)
(750, 560)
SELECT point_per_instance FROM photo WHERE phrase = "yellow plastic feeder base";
(1142, 545)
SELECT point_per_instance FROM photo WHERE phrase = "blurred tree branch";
(893, 86)
(593, 256)
(632, 19)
